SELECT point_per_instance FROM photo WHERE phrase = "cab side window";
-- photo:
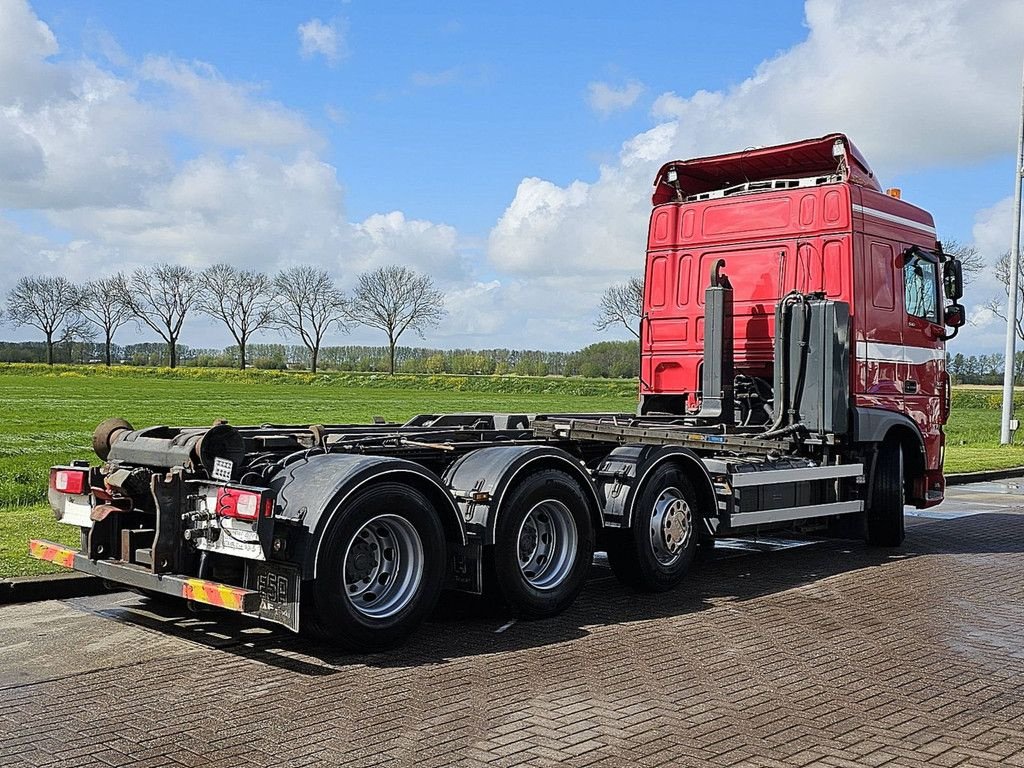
(920, 278)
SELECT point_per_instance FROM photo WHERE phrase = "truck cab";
(810, 218)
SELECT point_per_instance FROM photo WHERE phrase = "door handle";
(910, 386)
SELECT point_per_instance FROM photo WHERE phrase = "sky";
(506, 150)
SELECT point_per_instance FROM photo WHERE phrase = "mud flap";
(466, 568)
(278, 586)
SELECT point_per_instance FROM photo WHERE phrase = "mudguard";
(623, 471)
(311, 491)
(479, 480)
(871, 425)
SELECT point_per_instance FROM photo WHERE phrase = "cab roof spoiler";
(830, 155)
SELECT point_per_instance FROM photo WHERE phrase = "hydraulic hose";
(782, 355)
(787, 413)
(798, 388)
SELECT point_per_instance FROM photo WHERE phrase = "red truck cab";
(810, 217)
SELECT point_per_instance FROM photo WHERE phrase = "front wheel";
(380, 572)
(657, 550)
(543, 544)
(884, 515)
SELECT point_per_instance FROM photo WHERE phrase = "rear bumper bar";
(198, 590)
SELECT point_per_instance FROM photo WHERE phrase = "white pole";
(1011, 299)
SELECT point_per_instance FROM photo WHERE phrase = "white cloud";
(992, 229)
(916, 85)
(434, 79)
(991, 236)
(94, 156)
(325, 39)
(205, 106)
(336, 115)
(474, 314)
(605, 99)
(28, 42)
(392, 238)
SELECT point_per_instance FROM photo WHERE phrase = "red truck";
(792, 379)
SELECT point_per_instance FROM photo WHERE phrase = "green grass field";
(47, 418)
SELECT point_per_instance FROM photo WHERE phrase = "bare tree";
(77, 337)
(998, 306)
(103, 305)
(622, 303)
(241, 299)
(968, 255)
(161, 296)
(47, 303)
(395, 299)
(308, 305)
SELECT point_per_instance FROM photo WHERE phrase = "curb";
(984, 475)
(51, 586)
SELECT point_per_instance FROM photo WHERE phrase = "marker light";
(243, 505)
(71, 481)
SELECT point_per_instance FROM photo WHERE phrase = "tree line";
(302, 302)
(606, 359)
(982, 369)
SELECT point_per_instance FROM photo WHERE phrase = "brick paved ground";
(831, 654)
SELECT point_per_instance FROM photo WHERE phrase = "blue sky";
(507, 150)
(459, 103)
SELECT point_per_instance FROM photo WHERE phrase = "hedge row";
(983, 399)
(986, 399)
(509, 385)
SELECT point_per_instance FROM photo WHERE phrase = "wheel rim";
(671, 526)
(383, 566)
(547, 544)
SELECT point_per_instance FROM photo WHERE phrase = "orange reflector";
(44, 550)
(211, 593)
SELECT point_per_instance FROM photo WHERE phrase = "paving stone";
(832, 654)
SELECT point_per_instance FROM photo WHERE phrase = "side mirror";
(955, 316)
(953, 281)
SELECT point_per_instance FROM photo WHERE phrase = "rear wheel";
(657, 550)
(884, 515)
(543, 544)
(380, 570)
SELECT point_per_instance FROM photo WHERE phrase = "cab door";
(924, 367)
(880, 369)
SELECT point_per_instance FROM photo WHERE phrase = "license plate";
(278, 586)
(77, 511)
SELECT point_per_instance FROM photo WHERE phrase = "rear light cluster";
(243, 504)
(71, 481)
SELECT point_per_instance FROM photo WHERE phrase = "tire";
(381, 570)
(884, 515)
(543, 544)
(659, 547)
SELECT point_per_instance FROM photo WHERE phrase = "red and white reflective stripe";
(898, 353)
(891, 217)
